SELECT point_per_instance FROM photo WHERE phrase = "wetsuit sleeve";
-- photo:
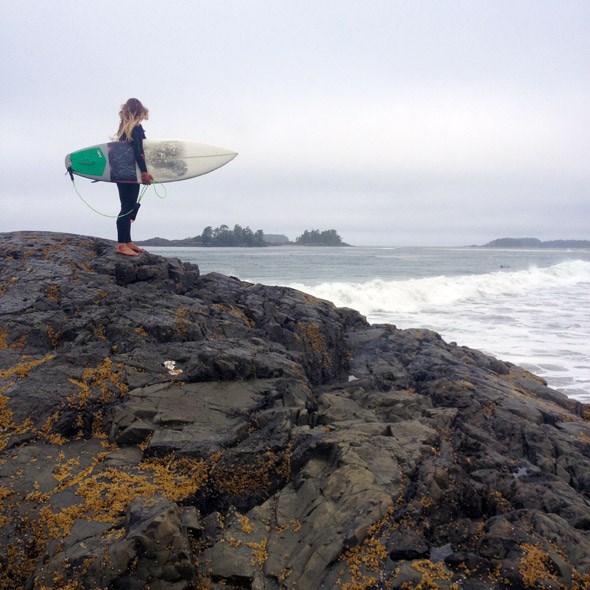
(138, 135)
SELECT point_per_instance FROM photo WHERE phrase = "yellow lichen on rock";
(105, 382)
(259, 553)
(177, 477)
(535, 565)
(10, 376)
(365, 561)
(316, 340)
(432, 573)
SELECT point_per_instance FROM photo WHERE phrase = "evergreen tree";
(314, 237)
(207, 236)
(259, 238)
(223, 236)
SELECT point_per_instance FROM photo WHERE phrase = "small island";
(315, 237)
(244, 237)
(220, 236)
(535, 243)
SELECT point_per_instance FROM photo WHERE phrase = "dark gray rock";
(163, 429)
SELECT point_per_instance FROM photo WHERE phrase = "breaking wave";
(411, 295)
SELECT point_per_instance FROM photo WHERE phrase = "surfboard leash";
(141, 194)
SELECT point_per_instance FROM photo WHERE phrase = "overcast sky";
(415, 122)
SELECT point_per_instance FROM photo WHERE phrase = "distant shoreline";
(160, 243)
(498, 243)
(262, 240)
(534, 243)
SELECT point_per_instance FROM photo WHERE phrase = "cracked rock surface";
(165, 429)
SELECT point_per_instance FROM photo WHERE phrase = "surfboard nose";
(217, 150)
(226, 157)
(230, 154)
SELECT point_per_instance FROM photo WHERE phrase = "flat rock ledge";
(162, 429)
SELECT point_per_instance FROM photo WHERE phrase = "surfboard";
(167, 160)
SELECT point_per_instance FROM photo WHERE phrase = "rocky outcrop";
(166, 430)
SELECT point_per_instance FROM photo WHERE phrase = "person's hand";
(146, 178)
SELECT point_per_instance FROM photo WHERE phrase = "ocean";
(530, 307)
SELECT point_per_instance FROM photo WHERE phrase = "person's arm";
(138, 135)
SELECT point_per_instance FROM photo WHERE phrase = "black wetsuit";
(129, 191)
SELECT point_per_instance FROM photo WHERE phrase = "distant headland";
(535, 243)
(244, 237)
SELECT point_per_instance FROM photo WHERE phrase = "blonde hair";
(132, 113)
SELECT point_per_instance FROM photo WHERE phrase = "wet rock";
(164, 429)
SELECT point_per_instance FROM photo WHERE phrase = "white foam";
(538, 318)
(378, 296)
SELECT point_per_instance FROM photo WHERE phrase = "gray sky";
(416, 122)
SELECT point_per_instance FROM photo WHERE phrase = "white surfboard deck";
(167, 160)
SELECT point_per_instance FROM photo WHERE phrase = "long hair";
(132, 113)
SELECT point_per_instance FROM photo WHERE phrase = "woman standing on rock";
(131, 115)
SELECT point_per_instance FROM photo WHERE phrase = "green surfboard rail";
(91, 162)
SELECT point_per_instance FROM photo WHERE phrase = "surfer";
(131, 115)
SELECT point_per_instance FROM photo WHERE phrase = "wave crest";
(411, 295)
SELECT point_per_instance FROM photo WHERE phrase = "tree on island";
(239, 236)
(220, 236)
(315, 237)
